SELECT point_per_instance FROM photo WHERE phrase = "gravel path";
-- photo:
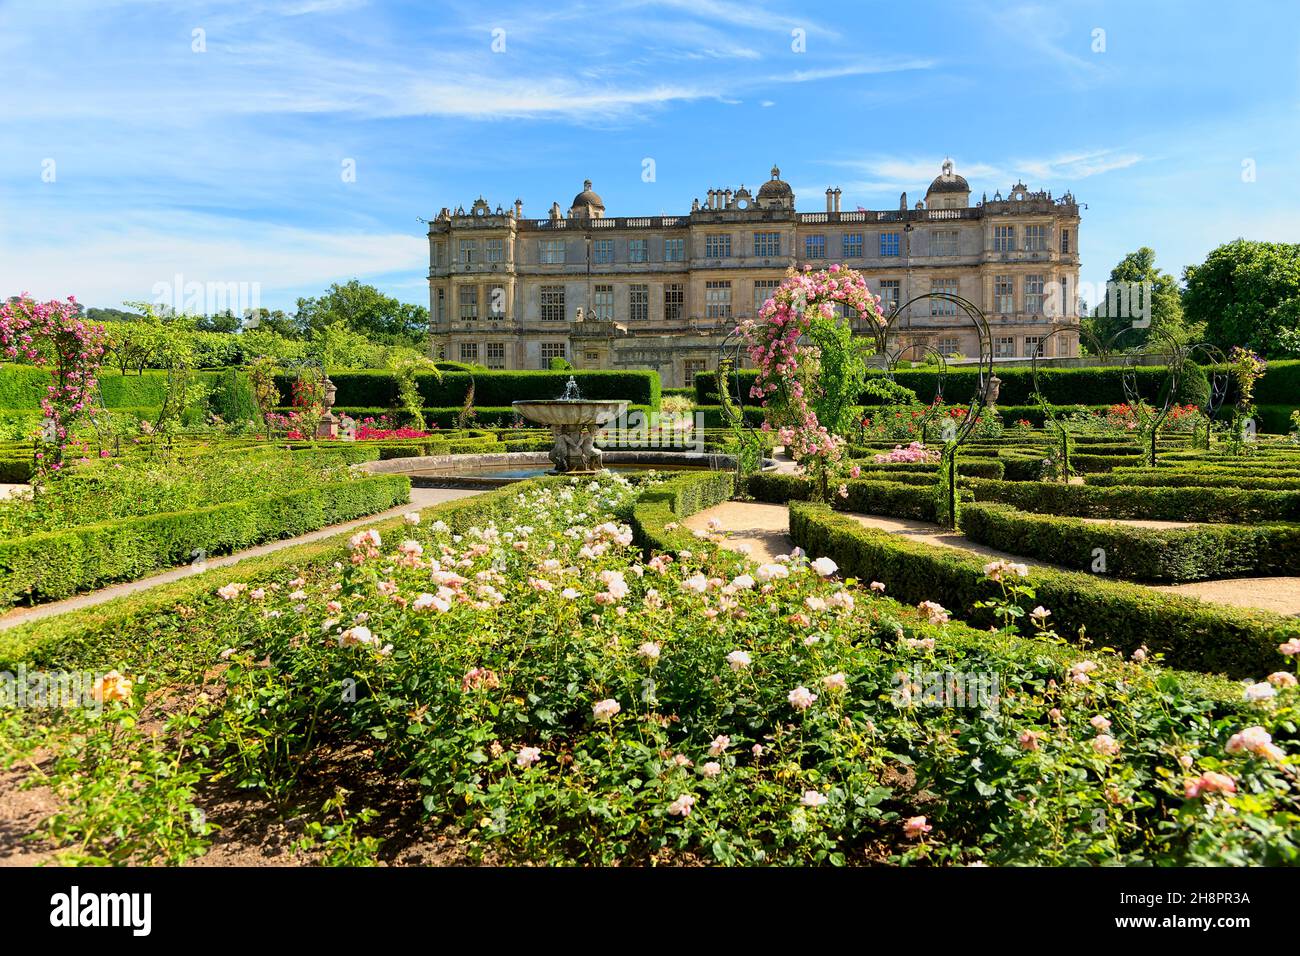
(420, 498)
(765, 528)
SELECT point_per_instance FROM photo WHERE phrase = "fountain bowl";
(573, 423)
(570, 411)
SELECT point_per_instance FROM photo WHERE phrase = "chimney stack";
(837, 198)
(829, 200)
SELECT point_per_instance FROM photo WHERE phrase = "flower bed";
(559, 698)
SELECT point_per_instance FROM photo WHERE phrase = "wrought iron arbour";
(953, 436)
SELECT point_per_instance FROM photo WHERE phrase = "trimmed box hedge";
(1192, 634)
(1088, 385)
(58, 564)
(1133, 501)
(896, 499)
(658, 509)
(378, 388)
(1133, 553)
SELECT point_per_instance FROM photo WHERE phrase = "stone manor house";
(662, 292)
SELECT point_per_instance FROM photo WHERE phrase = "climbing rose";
(527, 756)
(811, 798)
(606, 709)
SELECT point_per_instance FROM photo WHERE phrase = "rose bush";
(558, 696)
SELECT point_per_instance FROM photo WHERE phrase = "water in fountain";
(571, 393)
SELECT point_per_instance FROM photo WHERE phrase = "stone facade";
(662, 292)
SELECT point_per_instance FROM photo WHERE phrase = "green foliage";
(1191, 634)
(365, 310)
(881, 391)
(1132, 553)
(1165, 304)
(1247, 294)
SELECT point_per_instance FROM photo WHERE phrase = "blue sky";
(226, 165)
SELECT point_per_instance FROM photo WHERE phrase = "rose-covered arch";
(811, 366)
(53, 335)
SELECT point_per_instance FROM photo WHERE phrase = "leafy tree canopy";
(1248, 293)
(1166, 303)
(365, 310)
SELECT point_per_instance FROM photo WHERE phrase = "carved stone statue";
(575, 449)
(592, 459)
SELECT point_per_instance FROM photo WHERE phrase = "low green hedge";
(1130, 501)
(1192, 634)
(16, 470)
(658, 509)
(895, 499)
(378, 388)
(58, 564)
(969, 467)
(1132, 553)
(1162, 478)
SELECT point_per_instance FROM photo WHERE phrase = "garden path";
(420, 498)
(763, 530)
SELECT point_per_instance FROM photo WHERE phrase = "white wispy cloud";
(104, 260)
(891, 173)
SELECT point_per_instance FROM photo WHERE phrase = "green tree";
(1166, 303)
(367, 311)
(1248, 293)
(271, 320)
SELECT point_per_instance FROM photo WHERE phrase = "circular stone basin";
(570, 411)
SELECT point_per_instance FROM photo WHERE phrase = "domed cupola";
(949, 190)
(587, 205)
(776, 192)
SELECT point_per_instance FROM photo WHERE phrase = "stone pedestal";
(575, 451)
(328, 427)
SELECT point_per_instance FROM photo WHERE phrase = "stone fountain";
(573, 421)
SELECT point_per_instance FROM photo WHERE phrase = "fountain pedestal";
(573, 424)
(575, 451)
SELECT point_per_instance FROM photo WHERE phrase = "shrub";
(1192, 634)
(57, 564)
(1160, 555)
